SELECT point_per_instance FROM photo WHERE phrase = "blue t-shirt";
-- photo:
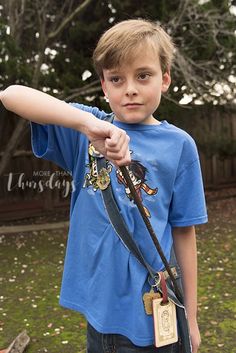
(101, 278)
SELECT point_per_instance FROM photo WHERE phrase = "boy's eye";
(115, 79)
(144, 76)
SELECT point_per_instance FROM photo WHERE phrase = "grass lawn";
(31, 269)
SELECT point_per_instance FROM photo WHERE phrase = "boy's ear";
(103, 84)
(166, 81)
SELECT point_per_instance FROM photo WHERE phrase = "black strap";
(120, 226)
(123, 233)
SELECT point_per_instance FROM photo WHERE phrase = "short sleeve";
(188, 205)
(59, 144)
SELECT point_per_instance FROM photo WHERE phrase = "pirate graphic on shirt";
(137, 174)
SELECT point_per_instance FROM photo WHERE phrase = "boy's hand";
(195, 336)
(110, 141)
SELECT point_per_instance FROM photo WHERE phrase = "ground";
(31, 269)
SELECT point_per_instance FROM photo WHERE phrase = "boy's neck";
(152, 121)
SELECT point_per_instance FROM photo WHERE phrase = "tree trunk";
(16, 20)
(14, 141)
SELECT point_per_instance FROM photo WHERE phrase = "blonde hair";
(119, 44)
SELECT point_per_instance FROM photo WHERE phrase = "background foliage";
(48, 45)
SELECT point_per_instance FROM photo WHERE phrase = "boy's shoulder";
(178, 133)
(182, 143)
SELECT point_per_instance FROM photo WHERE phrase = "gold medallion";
(103, 179)
(147, 300)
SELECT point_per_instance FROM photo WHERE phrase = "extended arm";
(42, 108)
(186, 254)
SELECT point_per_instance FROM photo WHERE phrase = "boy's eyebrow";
(112, 71)
(118, 71)
(145, 68)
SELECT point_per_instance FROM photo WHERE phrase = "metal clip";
(156, 279)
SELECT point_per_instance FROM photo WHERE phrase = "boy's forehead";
(137, 60)
(143, 49)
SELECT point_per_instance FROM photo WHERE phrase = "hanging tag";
(165, 322)
(164, 317)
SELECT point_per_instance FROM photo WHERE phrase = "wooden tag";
(147, 300)
(165, 323)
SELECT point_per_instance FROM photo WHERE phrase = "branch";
(68, 19)
(19, 344)
(80, 89)
(83, 92)
(62, 13)
(187, 71)
(41, 13)
(16, 12)
(165, 96)
(174, 23)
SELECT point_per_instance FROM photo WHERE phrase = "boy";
(101, 278)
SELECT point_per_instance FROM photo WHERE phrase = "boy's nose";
(131, 89)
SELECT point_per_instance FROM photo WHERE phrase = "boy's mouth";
(132, 105)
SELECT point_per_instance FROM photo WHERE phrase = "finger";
(116, 139)
(117, 156)
(124, 150)
(119, 160)
(117, 145)
(122, 162)
(125, 161)
(120, 153)
(120, 147)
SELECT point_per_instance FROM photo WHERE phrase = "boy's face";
(134, 89)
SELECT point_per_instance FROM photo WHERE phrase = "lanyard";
(122, 230)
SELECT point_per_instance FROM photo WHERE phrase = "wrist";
(86, 123)
(192, 317)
